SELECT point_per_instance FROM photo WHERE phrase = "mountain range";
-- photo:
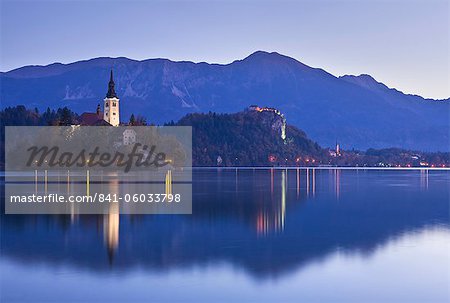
(357, 111)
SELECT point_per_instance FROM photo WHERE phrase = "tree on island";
(137, 121)
(132, 120)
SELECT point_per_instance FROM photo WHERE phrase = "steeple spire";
(111, 112)
(111, 91)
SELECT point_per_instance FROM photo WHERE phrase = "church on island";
(110, 116)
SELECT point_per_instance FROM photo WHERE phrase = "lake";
(255, 235)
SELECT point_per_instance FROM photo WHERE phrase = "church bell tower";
(111, 104)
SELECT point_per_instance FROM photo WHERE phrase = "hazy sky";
(405, 44)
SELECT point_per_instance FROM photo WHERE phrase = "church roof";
(111, 91)
(93, 119)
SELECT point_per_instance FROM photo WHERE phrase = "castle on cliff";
(282, 127)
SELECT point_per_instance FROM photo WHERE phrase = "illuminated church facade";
(111, 109)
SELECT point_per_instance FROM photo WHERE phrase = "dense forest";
(250, 139)
(246, 138)
(21, 116)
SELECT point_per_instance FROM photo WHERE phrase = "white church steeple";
(111, 113)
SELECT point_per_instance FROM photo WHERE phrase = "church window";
(114, 103)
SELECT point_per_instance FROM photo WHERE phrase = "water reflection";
(268, 222)
(337, 182)
(424, 178)
(271, 219)
(111, 223)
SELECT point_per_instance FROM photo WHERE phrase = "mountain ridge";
(358, 111)
(12, 72)
(370, 82)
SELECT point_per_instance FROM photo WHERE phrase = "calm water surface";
(254, 236)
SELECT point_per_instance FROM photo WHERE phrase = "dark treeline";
(247, 138)
(21, 116)
(244, 139)
(392, 157)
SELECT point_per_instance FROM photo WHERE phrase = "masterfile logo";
(81, 169)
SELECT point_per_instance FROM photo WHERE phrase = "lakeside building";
(336, 152)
